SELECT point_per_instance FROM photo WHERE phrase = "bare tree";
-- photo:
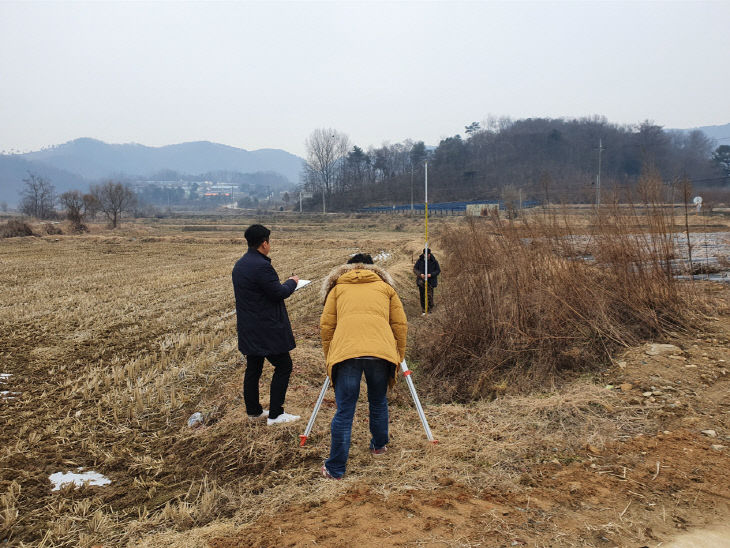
(91, 206)
(37, 197)
(73, 202)
(77, 206)
(326, 149)
(3, 206)
(114, 199)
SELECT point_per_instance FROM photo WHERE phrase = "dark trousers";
(279, 383)
(421, 291)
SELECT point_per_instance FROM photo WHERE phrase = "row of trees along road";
(546, 159)
(38, 199)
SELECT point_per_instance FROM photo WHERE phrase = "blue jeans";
(347, 391)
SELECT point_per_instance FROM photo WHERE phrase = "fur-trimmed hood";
(331, 280)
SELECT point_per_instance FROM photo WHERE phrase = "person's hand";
(429, 275)
(295, 278)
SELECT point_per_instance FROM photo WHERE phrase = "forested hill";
(75, 164)
(93, 159)
(539, 158)
(721, 134)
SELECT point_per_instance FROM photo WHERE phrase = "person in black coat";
(426, 285)
(264, 330)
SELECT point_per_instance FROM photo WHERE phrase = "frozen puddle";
(78, 478)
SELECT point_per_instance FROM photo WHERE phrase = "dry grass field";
(110, 340)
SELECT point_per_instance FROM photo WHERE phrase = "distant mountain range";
(75, 164)
(720, 134)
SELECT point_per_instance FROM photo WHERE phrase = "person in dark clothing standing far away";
(426, 285)
(363, 329)
(264, 331)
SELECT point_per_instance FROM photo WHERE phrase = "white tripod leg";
(310, 424)
(412, 388)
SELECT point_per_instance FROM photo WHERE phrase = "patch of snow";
(5, 376)
(8, 395)
(78, 478)
(380, 256)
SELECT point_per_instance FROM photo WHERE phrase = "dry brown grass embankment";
(535, 299)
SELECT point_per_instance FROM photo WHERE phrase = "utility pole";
(598, 177)
(411, 188)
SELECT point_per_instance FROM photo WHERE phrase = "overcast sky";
(264, 75)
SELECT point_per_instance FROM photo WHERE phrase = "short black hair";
(256, 235)
(361, 258)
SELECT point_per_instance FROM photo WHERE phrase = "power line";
(707, 180)
(710, 179)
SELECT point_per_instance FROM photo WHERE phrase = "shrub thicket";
(532, 299)
(52, 230)
(14, 228)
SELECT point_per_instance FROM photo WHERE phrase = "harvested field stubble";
(113, 341)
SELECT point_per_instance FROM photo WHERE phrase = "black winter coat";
(263, 323)
(433, 269)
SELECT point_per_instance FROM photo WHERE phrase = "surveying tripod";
(411, 387)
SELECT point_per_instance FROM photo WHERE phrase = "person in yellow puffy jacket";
(364, 330)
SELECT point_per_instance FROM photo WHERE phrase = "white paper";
(302, 283)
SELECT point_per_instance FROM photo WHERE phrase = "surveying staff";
(363, 329)
(264, 330)
(426, 284)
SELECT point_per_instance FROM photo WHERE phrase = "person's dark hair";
(256, 235)
(360, 258)
(424, 251)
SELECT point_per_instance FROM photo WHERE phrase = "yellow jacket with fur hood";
(362, 316)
